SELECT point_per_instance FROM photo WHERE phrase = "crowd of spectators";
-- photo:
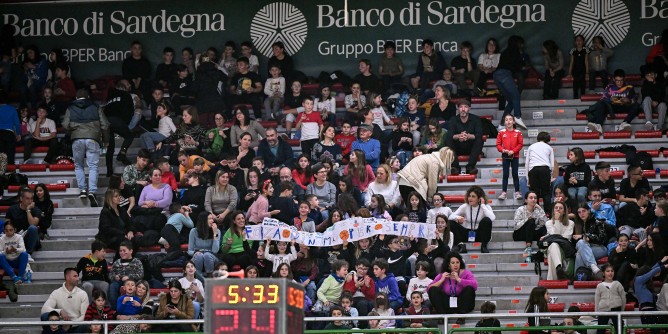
(233, 175)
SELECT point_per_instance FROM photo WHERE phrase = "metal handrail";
(533, 328)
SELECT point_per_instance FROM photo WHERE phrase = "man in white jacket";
(69, 300)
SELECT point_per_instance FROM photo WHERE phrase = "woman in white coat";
(560, 225)
(423, 173)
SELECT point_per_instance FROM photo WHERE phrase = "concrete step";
(64, 244)
(74, 223)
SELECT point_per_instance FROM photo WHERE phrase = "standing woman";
(420, 174)
(558, 225)
(242, 125)
(554, 69)
(221, 198)
(176, 305)
(529, 220)
(474, 220)
(488, 61)
(511, 63)
(233, 251)
(453, 281)
(44, 203)
(204, 243)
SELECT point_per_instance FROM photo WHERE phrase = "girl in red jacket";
(509, 142)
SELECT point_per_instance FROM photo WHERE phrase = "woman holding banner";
(421, 176)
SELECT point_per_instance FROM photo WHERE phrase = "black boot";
(483, 248)
(122, 158)
(462, 248)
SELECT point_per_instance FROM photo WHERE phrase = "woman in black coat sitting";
(115, 224)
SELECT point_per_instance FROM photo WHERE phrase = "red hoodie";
(369, 292)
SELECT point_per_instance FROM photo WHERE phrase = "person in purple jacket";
(453, 291)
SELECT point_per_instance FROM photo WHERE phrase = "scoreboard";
(258, 306)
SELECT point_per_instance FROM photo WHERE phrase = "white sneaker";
(30, 259)
(519, 123)
(624, 126)
(649, 126)
(162, 241)
(503, 195)
(518, 196)
(595, 127)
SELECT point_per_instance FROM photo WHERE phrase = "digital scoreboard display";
(258, 306)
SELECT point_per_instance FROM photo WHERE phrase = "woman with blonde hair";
(221, 198)
(384, 185)
(421, 175)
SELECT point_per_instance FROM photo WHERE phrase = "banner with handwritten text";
(352, 229)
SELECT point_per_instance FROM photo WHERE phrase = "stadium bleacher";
(502, 274)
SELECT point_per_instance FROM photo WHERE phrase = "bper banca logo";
(278, 21)
(607, 18)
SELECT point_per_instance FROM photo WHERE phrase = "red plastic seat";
(581, 117)
(585, 284)
(602, 260)
(556, 307)
(664, 173)
(268, 124)
(585, 307)
(461, 178)
(483, 99)
(38, 149)
(455, 198)
(32, 168)
(553, 284)
(649, 173)
(488, 117)
(155, 292)
(464, 158)
(585, 135)
(61, 167)
(10, 168)
(648, 134)
(50, 187)
(590, 154)
(609, 155)
(618, 174)
(629, 306)
(293, 142)
(590, 97)
(616, 134)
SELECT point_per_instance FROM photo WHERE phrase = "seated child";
(98, 309)
(129, 304)
(486, 308)
(337, 311)
(383, 308)
(329, 293)
(54, 329)
(420, 283)
(417, 309)
(348, 309)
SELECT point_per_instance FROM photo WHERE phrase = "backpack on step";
(644, 160)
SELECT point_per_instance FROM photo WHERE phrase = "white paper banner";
(352, 229)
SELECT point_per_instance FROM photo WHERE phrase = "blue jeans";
(90, 150)
(114, 289)
(403, 156)
(577, 193)
(504, 81)
(311, 291)
(587, 253)
(514, 163)
(204, 262)
(19, 263)
(30, 238)
(149, 139)
(134, 121)
(643, 294)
